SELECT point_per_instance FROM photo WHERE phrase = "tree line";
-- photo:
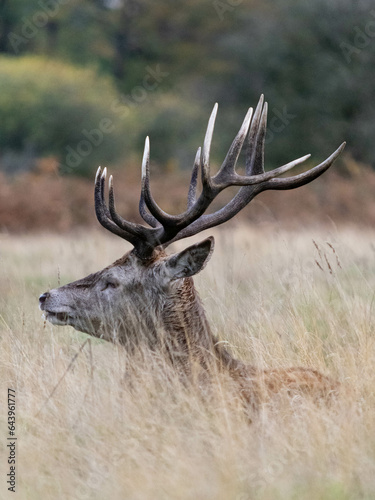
(156, 68)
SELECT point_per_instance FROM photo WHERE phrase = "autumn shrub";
(47, 202)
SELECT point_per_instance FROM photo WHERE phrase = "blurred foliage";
(51, 108)
(171, 60)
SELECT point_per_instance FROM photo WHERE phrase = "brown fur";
(192, 343)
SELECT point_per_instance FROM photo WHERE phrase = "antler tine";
(194, 179)
(258, 157)
(227, 170)
(243, 180)
(101, 210)
(103, 178)
(227, 175)
(306, 177)
(146, 216)
(159, 214)
(206, 179)
(134, 229)
(100, 205)
(252, 166)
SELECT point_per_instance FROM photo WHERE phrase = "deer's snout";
(43, 297)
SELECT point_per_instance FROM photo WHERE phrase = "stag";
(149, 297)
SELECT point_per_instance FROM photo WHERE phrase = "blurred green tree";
(314, 61)
(52, 108)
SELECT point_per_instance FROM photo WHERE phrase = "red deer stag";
(148, 296)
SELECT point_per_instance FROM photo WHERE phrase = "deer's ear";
(190, 261)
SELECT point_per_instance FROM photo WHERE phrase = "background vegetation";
(158, 67)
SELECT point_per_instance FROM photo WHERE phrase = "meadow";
(277, 297)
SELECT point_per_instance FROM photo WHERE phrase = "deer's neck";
(188, 336)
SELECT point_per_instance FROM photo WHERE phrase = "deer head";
(125, 301)
(147, 290)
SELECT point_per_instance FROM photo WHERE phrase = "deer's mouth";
(58, 318)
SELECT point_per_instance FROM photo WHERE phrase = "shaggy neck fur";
(188, 337)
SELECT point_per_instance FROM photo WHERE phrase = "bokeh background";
(83, 82)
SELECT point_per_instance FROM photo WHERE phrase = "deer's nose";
(43, 297)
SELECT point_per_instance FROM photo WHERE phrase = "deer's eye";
(110, 284)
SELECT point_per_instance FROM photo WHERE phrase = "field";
(279, 298)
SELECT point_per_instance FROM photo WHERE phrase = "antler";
(166, 228)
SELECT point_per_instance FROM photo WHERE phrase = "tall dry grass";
(278, 298)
